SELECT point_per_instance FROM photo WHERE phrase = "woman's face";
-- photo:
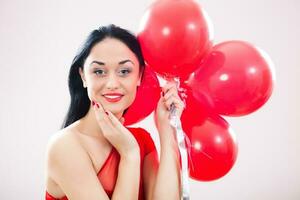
(111, 75)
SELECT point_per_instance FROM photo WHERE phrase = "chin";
(115, 109)
(118, 107)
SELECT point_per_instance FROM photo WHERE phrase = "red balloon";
(174, 37)
(237, 76)
(213, 150)
(197, 108)
(146, 99)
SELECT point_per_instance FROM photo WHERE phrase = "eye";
(99, 72)
(124, 72)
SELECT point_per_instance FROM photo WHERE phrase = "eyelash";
(125, 70)
(122, 70)
(96, 72)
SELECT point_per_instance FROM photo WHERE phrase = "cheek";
(131, 92)
(94, 89)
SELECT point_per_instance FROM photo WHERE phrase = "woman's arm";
(167, 185)
(127, 185)
(167, 178)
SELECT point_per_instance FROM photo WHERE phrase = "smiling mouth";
(113, 98)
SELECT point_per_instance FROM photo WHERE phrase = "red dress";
(109, 171)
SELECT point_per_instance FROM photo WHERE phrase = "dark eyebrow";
(125, 61)
(121, 62)
(98, 62)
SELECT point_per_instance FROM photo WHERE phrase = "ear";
(81, 72)
(140, 79)
(139, 82)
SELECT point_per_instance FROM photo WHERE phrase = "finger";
(178, 103)
(171, 92)
(102, 118)
(160, 101)
(122, 120)
(168, 86)
(100, 111)
(115, 121)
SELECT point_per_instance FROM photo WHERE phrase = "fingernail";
(106, 113)
(97, 105)
(162, 93)
(93, 103)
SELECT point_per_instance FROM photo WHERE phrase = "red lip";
(119, 94)
(116, 99)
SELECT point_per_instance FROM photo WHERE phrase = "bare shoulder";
(63, 147)
(61, 141)
(70, 167)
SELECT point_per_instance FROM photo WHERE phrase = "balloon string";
(180, 136)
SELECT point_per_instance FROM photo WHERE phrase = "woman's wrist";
(166, 130)
(167, 136)
(131, 155)
(165, 126)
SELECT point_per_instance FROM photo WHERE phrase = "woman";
(95, 157)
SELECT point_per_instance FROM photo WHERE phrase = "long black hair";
(80, 102)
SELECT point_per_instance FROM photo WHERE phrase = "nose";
(112, 82)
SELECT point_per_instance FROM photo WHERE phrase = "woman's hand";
(169, 96)
(114, 131)
(169, 163)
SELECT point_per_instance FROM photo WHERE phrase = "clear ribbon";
(180, 136)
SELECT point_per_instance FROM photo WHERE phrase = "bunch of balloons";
(232, 78)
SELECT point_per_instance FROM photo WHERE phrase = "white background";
(38, 40)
